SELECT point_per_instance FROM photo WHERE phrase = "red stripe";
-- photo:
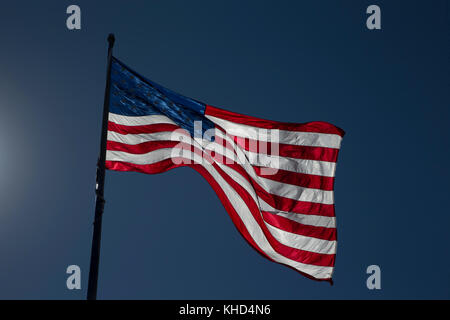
(153, 168)
(144, 147)
(298, 228)
(287, 150)
(298, 179)
(316, 126)
(149, 128)
(150, 146)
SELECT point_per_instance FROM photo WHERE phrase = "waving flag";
(274, 179)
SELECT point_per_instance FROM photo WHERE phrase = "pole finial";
(111, 39)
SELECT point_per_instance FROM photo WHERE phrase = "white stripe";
(307, 219)
(320, 168)
(133, 139)
(138, 121)
(312, 139)
(302, 242)
(296, 192)
(146, 158)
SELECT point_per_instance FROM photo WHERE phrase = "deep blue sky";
(167, 236)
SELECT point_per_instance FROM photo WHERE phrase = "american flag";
(274, 179)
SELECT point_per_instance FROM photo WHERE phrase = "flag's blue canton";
(134, 95)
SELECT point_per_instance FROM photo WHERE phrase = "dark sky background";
(167, 236)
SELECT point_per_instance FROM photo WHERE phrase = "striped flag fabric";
(274, 179)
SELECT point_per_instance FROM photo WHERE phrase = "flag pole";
(100, 183)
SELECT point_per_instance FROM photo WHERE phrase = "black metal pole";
(99, 188)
